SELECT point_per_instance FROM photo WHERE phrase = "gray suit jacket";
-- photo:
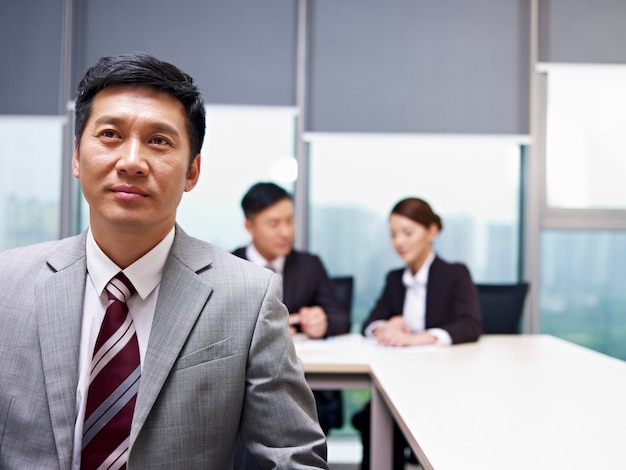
(220, 361)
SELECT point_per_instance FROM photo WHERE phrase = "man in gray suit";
(207, 330)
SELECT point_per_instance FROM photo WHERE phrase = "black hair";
(260, 196)
(142, 70)
(418, 211)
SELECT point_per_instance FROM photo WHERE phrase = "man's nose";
(131, 159)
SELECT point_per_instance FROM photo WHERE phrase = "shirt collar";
(253, 255)
(145, 273)
(421, 276)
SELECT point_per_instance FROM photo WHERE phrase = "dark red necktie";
(113, 385)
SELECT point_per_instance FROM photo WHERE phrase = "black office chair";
(329, 403)
(501, 306)
(344, 287)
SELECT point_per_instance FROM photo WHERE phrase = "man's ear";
(193, 173)
(76, 160)
(248, 226)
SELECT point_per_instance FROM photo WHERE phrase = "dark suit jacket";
(306, 284)
(451, 301)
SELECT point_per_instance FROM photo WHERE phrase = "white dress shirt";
(145, 275)
(277, 265)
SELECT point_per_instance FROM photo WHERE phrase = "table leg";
(381, 443)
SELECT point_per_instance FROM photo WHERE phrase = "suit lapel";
(60, 293)
(433, 294)
(182, 296)
(289, 283)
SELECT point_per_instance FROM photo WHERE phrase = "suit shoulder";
(450, 269)
(30, 253)
(305, 257)
(241, 263)
(232, 260)
(26, 262)
(395, 274)
(221, 267)
(449, 264)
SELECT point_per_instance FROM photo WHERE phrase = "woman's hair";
(418, 211)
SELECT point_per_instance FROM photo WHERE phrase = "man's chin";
(282, 252)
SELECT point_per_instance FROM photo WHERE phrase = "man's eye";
(108, 134)
(159, 141)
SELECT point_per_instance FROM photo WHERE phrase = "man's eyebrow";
(156, 126)
(107, 120)
(163, 127)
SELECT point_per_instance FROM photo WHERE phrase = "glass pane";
(473, 184)
(30, 180)
(582, 288)
(243, 145)
(586, 125)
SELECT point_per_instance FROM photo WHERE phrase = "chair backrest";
(502, 306)
(344, 287)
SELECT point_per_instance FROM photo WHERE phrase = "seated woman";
(430, 301)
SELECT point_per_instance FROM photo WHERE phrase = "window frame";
(540, 216)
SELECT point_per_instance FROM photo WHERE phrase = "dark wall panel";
(30, 56)
(419, 66)
(240, 52)
(582, 31)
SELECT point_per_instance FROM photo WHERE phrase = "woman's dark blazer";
(306, 284)
(451, 301)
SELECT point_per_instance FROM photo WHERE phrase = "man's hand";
(294, 319)
(313, 321)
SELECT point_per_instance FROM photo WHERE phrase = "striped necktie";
(113, 384)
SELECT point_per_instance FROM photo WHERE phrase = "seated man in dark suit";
(314, 308)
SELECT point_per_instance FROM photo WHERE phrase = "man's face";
(272, 230)
(133, 161)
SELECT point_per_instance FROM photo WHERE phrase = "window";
(586, 125)
(583, 237)
(473, 183)
(242, 146)
(30, 180)
(582, 288)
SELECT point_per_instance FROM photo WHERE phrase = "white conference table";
(343, 362)
(528, 402)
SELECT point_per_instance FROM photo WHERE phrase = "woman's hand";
(396, 332)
